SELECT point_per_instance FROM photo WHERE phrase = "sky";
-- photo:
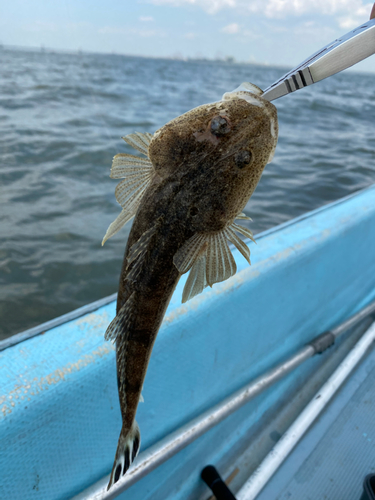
(273, 32)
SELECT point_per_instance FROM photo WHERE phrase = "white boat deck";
(333, 458)
(338, 450)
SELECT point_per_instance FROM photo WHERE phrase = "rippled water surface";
(61, 121)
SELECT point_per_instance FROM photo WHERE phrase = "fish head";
(217, 152)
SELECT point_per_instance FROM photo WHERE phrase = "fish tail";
(127, 449)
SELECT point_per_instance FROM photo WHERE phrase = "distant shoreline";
(78, 52)
(226, 60)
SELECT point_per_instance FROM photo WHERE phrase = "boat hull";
(60, 417)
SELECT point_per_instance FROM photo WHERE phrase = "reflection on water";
(61, 119)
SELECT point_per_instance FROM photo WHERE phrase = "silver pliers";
(333, 58)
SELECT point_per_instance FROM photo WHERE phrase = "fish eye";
(219, 126)
(243, 158)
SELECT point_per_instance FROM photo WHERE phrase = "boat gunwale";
(93, 306)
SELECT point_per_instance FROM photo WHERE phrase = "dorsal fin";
(141, 244)
(209, 259)
(122, 323)
(137, 173)
(138, 249)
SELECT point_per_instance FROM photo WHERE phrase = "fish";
(185, 192)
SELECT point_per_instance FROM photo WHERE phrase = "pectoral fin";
(139, 141)
(190, 251)
(196, 282)
(220, 264)
(209, 259)
(243, 216)
(137, 173)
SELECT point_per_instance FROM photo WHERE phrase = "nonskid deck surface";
(335, 455)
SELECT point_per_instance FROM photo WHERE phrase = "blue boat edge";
(60, 416)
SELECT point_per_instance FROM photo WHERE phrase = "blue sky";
(276, 32)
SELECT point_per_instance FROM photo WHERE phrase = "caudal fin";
(127, 450)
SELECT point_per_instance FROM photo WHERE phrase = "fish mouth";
(242, 90)
(247, 91)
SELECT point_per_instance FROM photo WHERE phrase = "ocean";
(62, 117)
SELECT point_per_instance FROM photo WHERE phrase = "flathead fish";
(196, 176)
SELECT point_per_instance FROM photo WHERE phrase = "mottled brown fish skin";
(207, 164)
(153, 288)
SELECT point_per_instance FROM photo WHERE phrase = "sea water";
(62, 117)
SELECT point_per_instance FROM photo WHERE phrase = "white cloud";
(355, 17)
(114, 30)
(146, 19)
(150, 33)
(355, 10)
(252, 34)
(231, 29)
(210, 6)
(190, 36)
(41, 26)
(347, 22)
(314, 31)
